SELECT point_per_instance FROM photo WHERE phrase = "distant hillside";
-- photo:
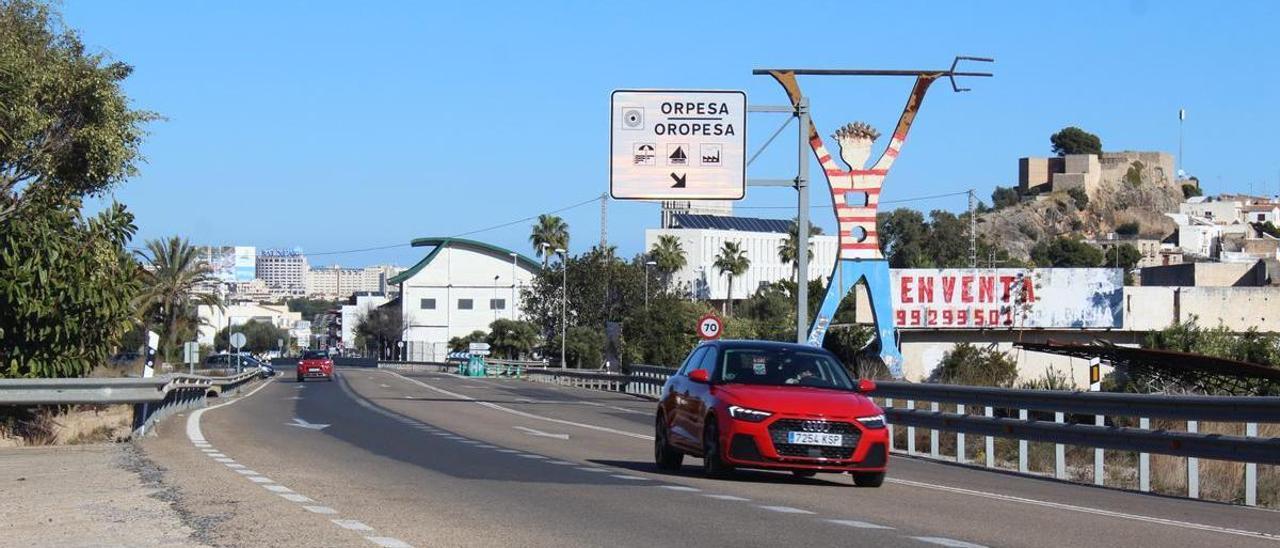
(1128, 190)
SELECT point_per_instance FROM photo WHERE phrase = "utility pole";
(802, 223)
(973, 230)
(1182, 115)
(564, 303)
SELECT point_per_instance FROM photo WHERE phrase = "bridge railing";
(1099, 420)
(152, 398)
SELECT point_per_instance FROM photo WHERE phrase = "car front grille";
(848, 442)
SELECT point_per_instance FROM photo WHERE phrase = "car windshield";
(782, 367)
(315, 355)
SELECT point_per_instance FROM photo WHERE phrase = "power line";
(898, 201)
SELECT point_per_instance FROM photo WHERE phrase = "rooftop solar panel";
(745, 224)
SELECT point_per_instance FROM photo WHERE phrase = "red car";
(770, 405)
(315, 363)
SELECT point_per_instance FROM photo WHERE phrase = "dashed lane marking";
(950, 543)
(295, 497)
(246, 472)
(351, 524)
(785, 509)
(388, 542)
(260, 479)
(681, 488)
(629, 478)
(727, 497)
(320, 509)
(277, 488)
(857, 524)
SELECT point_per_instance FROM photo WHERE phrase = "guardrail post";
(1144, 461)
(911, 431)
(933, 434)
(888, 403)
(1193, 466)
(1022, 446)
(1059, 451)
(1099, 476)
(960, 458)
(1251, 470)
(991, 442)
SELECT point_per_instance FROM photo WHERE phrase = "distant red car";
(763, 404)
(315, 364)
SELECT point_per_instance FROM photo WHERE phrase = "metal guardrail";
(1013, 414)
(153, 398)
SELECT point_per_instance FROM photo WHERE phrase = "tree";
(788, 250)
(903, 235)
(1130, 228)
(1064, 252)
(66, 129)
(551, 231)
(512, 338)
(66, 133)
(171, 293)
(1073, 140)
(260, 337)
(971, 365)
(732, 261)
(584, 347)
(1005, 196)
(380, 328)
(459, 344)
(1191, 190)
(308, 308)
(1122, 256)
(669, 254)
(1079, 196)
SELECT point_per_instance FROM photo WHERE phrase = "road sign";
(678, 145)
(478, 349)
(400, 344)
(710, 327)
(153, 342)
(238, 340)
(190, 352)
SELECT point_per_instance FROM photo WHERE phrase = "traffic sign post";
(678, 145)
(238, 341)
(476, 365)
(710, 327)
(191, 355)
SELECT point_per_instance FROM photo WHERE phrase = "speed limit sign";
(709, 327)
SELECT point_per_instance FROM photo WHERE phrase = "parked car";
(315, 364)
(770, 405)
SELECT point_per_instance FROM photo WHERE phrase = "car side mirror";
(699, 376)
(866, 385)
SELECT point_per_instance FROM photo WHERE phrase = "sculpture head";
(855, 141)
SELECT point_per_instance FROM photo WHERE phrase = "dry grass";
(70, 425)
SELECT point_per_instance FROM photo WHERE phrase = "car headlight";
(747, 414)
(874, 421)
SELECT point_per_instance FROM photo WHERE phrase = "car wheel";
(804, 473)
(665, 456)
(868, 479)
(712, 463)
(300, 379)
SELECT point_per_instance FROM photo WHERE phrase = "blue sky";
(346, 125)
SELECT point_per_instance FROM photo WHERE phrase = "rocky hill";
(1127, 191)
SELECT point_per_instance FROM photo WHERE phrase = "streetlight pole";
(495, 297)
(647, 264)
(564, 303)
(512, 308)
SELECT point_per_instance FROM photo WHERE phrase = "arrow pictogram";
(679, 180)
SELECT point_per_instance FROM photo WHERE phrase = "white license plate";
(314, 370)
(814, 438)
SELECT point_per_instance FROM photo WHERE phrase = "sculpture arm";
(904, 122)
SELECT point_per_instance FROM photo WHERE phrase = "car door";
(698, 398)
(676, 401)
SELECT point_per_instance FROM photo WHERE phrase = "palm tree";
(787, 250)
(552, 231)
(171, 278)
(733, 262)
(669, 254)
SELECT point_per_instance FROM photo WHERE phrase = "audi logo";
(816, 426)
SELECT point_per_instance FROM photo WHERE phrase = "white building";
(285, 272)
(336, 282)
(702, 236)
(214, 319)
(353, 313)
(459, 287)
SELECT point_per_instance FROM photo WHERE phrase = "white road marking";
(727, 497)
(563, 463)
(351, 524)
(533, 432)
(308, 425)
(389, 542)
(629, 478)
(320, 509)
(951, 543)
(507, 451)
(681, 488)
(384, 386)
(276, 488)
(225, 460)
(1084, 510)
(217, 455)
(234, 465)
(294, 497)
(857, 524)
(260, 479)
(585, 469)
(521, 413)
(532, 456)
(246, 472)
(785, 509)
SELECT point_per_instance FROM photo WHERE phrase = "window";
(497, 304)
(1262, 217)
(427, 304)
(465, 304)
(708, 361)
(773, 367)
(691, 361)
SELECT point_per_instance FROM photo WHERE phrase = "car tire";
(664, 455)
(300, 379)
(868, 479)
(804, 473)
(713, 465)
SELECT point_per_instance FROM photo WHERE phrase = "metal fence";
(152, 398)
(1089, 419)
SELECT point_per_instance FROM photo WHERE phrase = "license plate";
(313, 370)
(814, 438)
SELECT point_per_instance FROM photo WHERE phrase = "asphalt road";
(428, 459)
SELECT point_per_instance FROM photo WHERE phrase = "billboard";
(987, 298)
(230, 263)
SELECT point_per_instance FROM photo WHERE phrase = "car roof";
(763, 344)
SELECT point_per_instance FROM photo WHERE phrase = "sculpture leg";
(849, 271)
(877, 274)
